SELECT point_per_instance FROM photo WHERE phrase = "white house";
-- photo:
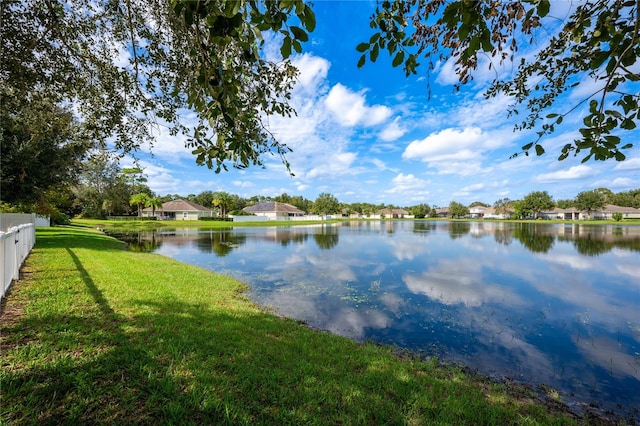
(178, 210)
(274, 210)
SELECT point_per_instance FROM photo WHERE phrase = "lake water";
(545, 304)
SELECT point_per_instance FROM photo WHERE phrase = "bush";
(59, 218)
(617, 216)
(217, 218)
(241, 213)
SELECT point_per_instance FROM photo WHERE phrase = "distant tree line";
(99, 187)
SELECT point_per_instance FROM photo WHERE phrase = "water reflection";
(543, 303)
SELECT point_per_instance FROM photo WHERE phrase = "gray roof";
(610, 208)
(180, 206)
(393, 211)
(272, 207)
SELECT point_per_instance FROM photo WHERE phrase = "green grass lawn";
(93, 333)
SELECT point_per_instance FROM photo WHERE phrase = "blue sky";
(371, 134)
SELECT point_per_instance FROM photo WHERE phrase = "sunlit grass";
(98, 334)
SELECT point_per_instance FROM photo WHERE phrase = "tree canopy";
(458, 210)
(597, 46)
(129, 70)
(536, 202)
(589, 201)
(326, 204)
(40, 151)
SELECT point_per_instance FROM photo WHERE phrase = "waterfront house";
(178, 210)
(274, 210)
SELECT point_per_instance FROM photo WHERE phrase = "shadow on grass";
(71, 237)
(182, 363)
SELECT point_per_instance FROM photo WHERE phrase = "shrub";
(617, 216)
(217, 218)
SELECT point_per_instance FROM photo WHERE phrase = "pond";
(547, 304)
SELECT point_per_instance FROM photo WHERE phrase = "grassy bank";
(97, 334)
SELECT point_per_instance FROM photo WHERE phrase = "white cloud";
(445, 145)
(630, 164)
(484, 113)
(349, 109)
(340, 163)
(456, 151)
(393, 131)
(468, 190)
(624, 183)
(409, 184)
(313, 72)
(575, 172)
(243, 184)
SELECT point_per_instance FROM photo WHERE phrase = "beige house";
(490, 213)
(608, 211)
(274, 210)
(442, 212)
(561, 214)
(605, 213)
(393, 213)
(178, 210)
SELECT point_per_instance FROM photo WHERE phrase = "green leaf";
(285, 49)
(361, 61)
(373, 54)
(398, 59)
(188, 17)
(299, 34)
(232, 7)
(309, 19)
(297, 46)
(613, 140)
(286, 4)
(463, 31)
(628, 124)
(362, 47)
(539, 150)
(543, 8)
(527, 146)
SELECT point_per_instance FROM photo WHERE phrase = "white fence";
(15, 246)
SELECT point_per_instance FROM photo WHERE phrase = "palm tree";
(154, 203)
(221, 200)
(140, 200)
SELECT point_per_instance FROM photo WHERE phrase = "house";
(442, 212)
(608, 211)
(178, 210)
(477, 212)
(561, 214)
(274, 210)
(605, 213)
(490, 213)
(393, 213)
